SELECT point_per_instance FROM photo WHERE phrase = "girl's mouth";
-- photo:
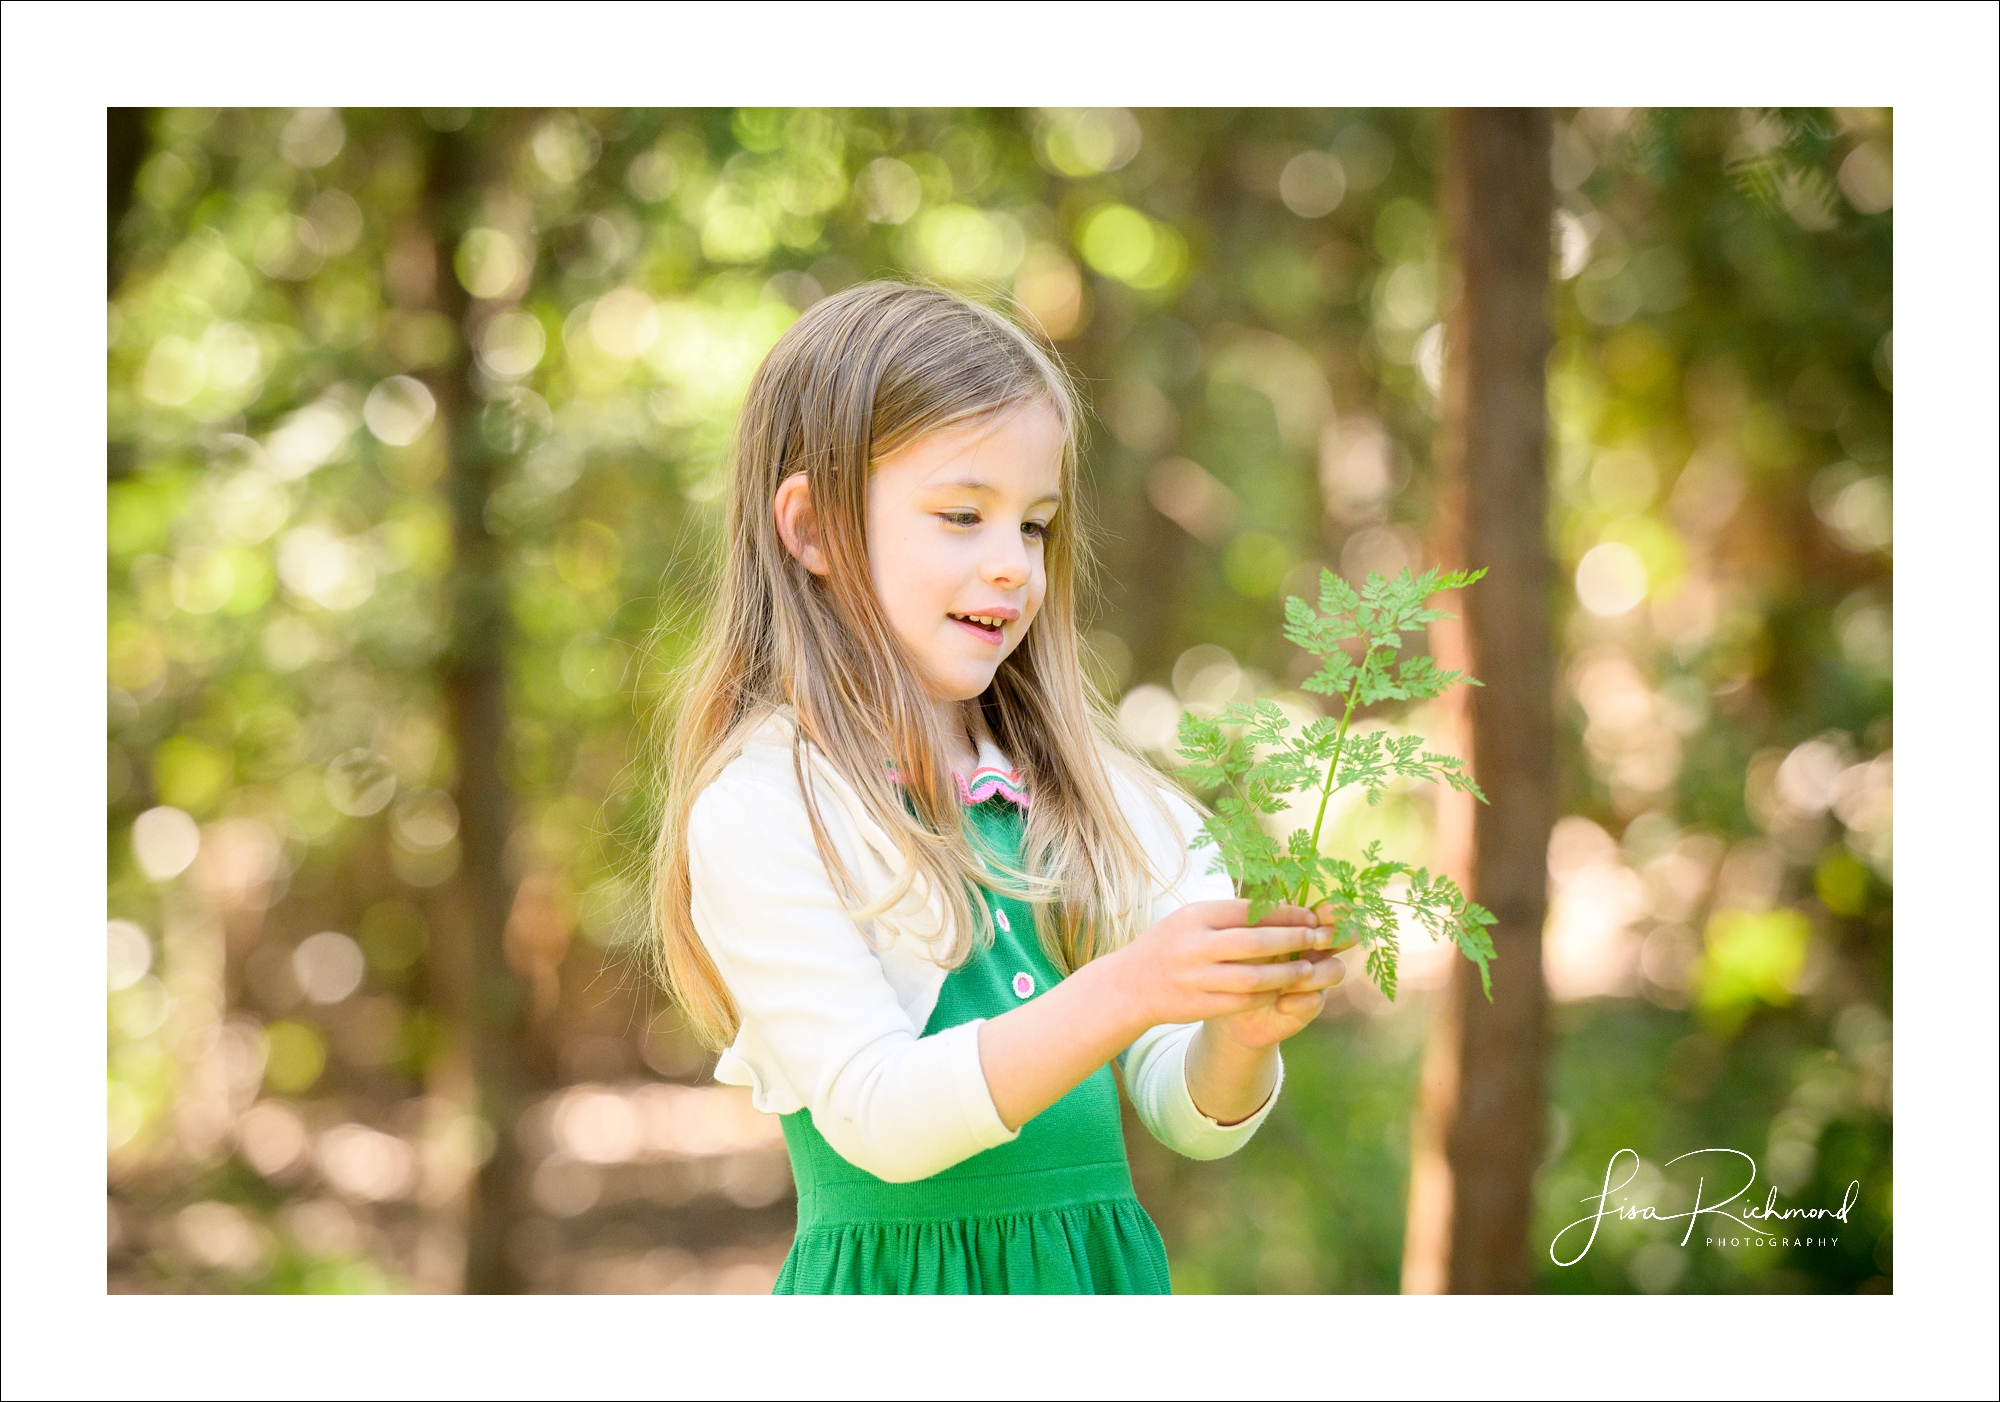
(988, 628)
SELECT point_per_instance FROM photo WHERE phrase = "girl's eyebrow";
(973, 484)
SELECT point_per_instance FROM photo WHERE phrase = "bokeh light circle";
(1611, 579)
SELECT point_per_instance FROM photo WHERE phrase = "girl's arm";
(1187, 968)
(1203, 1088)
(822, 1027)
(1229, 1080)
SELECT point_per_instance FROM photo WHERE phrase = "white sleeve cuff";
(1160, 1092)
(975, 1097)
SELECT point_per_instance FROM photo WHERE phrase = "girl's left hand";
(1231, 1068)
(1288, 1013)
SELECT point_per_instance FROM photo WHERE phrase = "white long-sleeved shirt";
(833, 1010)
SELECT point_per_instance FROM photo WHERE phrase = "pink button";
(1023, 985)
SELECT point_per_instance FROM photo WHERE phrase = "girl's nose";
(1006, 565)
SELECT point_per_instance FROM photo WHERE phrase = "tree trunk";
(124, 150)
(484, 1002)
(1478, 1135)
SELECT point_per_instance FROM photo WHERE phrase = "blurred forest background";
(415, 425)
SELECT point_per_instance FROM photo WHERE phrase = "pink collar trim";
(990, 777)
(989, 780)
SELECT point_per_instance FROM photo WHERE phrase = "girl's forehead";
(1016, 454)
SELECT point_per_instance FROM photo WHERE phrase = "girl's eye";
(1036, 530)
(961, 518)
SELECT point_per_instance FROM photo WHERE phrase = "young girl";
(908, 875)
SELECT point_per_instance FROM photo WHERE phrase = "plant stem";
(1332, 765)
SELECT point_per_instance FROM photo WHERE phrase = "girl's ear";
(797, 526)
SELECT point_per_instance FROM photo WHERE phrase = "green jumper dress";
(1052, 1212)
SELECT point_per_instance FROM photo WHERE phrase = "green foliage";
(1253, 760)
(280, 587)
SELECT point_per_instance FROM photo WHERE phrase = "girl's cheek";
(1032, 609)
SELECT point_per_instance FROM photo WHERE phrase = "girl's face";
(956, 527)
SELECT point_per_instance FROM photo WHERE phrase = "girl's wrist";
(1119, 990)
(1229, 1080)
(1231, 1055)
(1225, 1047)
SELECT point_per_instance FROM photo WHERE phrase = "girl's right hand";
(1197, 963)
(1194, 966)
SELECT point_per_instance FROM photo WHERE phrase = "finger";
(1303, 1006)
(1256, 978)
(1230, 1004)
(1267, 941)
(1338, 942)
(1310, 972)
(1283, 915)
(1218, 915)
(1327, 972)
(1224, 915)
(1329, 916)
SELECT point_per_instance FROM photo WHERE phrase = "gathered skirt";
(1076, 1231)
(1052, 1212)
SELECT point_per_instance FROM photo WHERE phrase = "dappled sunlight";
(413, 509)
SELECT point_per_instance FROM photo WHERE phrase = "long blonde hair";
(860, 375)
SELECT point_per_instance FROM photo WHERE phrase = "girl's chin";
(961, 683)
(968, 689)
